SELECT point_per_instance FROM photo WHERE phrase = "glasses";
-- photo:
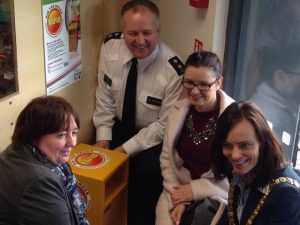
(188, 84)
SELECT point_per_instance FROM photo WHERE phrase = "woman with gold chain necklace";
(264, 190)
(188, 137)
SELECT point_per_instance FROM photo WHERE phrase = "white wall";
(182, 24)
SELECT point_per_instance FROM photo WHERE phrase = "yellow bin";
(102, 175)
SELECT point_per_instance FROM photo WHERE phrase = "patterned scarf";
(68, 180)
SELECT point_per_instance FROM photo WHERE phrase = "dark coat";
(30, 193)
(282, 206)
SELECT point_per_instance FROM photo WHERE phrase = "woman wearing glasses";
(188, 137)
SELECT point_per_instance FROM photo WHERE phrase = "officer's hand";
(120, 149)
(103, 144)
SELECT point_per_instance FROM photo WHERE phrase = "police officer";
(158, 86)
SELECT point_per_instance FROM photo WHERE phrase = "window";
(262, 63)
(7, 57)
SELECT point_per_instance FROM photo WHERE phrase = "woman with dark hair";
(187, 141)
(37, 184)
(264, 190)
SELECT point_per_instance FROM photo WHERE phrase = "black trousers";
(145, 179)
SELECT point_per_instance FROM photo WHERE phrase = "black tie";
(128, 116)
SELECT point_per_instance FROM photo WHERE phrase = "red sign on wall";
(198, 45)
(199, 3)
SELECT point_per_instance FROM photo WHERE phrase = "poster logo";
(54, 20)
(90, 159)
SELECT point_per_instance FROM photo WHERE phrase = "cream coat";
(172, 165)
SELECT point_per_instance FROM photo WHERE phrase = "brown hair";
(270, 148)
(41, 116)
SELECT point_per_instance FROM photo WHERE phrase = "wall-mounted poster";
(62, 43)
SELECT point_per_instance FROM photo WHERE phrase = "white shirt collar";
(144, 63)
(239, 180)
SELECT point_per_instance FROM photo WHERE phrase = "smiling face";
(141, 32)
(241, 148)
(202, 100)
(58, 146)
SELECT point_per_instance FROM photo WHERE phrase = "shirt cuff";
(103, 134)
(131, 147)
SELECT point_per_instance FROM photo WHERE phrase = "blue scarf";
(68, 180)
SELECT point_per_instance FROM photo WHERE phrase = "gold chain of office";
(230, 212)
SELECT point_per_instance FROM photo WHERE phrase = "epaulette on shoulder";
(177, 65)
(115, 35)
